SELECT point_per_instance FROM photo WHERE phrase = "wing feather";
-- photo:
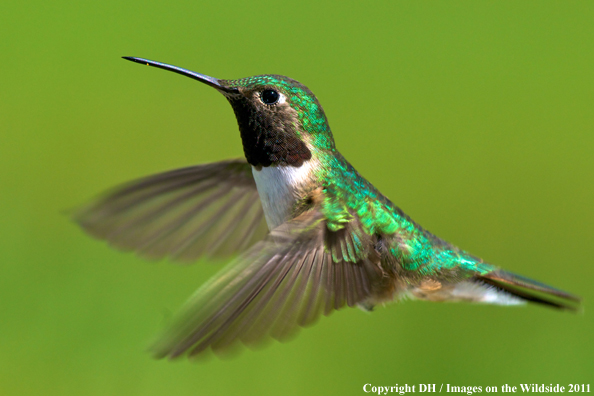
(282, 283)
(210, 209)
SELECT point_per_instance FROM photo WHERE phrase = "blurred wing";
(210, 209)
(283, 282)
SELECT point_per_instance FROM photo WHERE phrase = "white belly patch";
(278, 187)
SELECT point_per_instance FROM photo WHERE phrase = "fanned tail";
(530, 290)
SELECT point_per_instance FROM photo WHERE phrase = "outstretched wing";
(283, 282)
(210, 209)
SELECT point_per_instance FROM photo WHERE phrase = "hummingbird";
(308, 233)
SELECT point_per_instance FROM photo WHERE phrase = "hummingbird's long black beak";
(213, 82)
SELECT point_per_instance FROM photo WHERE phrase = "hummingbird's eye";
(269, 96)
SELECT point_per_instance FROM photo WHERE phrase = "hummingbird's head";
(280, 120)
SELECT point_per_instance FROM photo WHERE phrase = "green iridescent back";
(349, 195)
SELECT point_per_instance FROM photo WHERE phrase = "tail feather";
(530, 290)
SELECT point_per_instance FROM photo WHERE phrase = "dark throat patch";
(269, 137)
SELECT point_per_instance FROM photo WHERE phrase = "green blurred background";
(474, 117)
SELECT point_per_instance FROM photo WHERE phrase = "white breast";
(278, 187)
